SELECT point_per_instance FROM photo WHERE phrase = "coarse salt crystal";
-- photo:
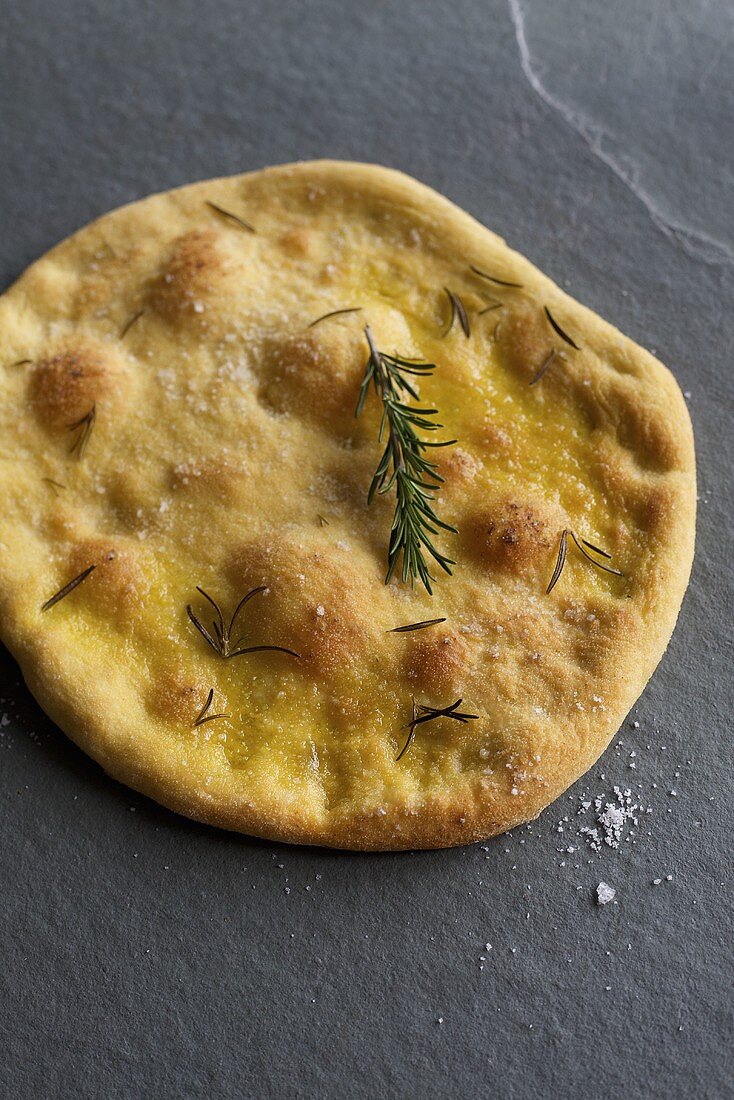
(604, 893)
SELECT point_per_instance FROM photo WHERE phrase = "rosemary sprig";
(457, 310)
(130, 322)
(403, 464)
(543, 367)
(323, 521)
(581, 545)
(85, 423)
(221, 640)
(203, 715)
(21, 362)
(415, 626)
(232, 217)
(557, 328)
(493, 278)
(334, 313)
(62, 592)
(423, 714)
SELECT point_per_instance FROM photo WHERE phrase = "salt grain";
(604, 893)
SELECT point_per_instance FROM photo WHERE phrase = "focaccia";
(180, 449)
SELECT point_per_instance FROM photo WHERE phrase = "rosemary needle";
(557, 328)
(598, 564)
(560, 562)
(221, 638)
(232, 217)
(597, 548)
(494, 279)
(543, 368)
(411, 734)
(55, 485)
(206, 706)
(210, 718)
(130, 322)
(423, 714)
(415, 626)
(67, 588)
(581, 545)
(334, 313)
(86, 423)
(203, 715)
(457, 310)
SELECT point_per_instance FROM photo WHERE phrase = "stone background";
(148, 956)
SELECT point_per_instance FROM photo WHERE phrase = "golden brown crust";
(225, 454)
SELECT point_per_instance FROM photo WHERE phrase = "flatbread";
(224, 452)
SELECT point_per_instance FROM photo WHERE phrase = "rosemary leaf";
(203, 715)
(560, 562)
(543, 368)
(334, 313)
(457, 310)
(129, 323)
(67, 588)
(598, 564)
(221, 638)
(581, 545)
(557, 328)
(422, 714)
(415, 626)
(85, 423)
(494, 279)
(229, 215)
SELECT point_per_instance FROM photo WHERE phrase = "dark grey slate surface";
(148, 956)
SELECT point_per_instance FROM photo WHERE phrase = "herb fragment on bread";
(334, 313)
(557, 328)
(221, 638)
(489, 308)
(63, 592)
(581, 545)
(494, 279)
(203, 715)
(543, 367)
(457, 310)
(403, 464)
(84, 426)
(422, 713)
(415, 626)
(130, 322)
(55, 485)
(230, 216)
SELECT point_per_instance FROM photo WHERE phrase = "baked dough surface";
(225, 453)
